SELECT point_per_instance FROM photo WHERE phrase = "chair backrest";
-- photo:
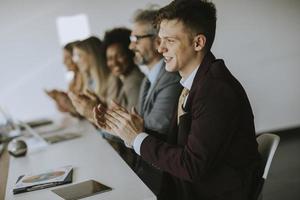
(267, 145)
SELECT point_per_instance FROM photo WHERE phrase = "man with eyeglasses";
(159, 91)
(211, 152)
(136, 38)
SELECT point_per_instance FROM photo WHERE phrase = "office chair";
(267, 145)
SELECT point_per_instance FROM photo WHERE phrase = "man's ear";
(199, 42)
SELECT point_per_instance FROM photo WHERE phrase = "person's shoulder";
(135, 75)
(219, 74)
(167, 78)
(218, 69)
(220, 81)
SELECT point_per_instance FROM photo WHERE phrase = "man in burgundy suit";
(211, 152)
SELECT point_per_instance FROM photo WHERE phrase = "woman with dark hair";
(120, 61)
(76, 84)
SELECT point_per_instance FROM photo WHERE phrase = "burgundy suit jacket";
(212, 153)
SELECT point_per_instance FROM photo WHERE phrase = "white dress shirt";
(153, 73)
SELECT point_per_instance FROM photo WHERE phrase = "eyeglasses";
(136, 38)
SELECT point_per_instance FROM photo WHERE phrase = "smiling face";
(177, 47)
(68, 62)
(81, 58)
(117, 60)
(145, 47)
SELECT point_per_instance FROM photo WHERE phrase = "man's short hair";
(147, 16)
(197, 15)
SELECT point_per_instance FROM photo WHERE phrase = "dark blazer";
(157, 111)
(212, 153)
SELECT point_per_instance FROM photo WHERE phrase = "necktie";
(145, 93)
(182, 97)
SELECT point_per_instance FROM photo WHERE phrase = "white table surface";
(92, 158)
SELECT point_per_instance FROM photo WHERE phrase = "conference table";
(91, 157)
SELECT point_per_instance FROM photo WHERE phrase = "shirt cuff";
(138, 142)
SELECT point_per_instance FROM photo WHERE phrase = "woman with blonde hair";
(89, 57)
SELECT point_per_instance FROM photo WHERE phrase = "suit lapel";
(179, 132)
(151, 90)
(199, 78)
(141, 95)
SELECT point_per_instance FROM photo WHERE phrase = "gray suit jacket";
(157, 111)
(161, 100)
(128, 89)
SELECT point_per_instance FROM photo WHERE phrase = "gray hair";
(147, 16)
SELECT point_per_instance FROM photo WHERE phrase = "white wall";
(30, 54)
(258, 40)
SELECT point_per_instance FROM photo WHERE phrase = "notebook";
(51, 178)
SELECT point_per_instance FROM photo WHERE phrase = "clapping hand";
(84, 104)
(120, 122)
(63, 102)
